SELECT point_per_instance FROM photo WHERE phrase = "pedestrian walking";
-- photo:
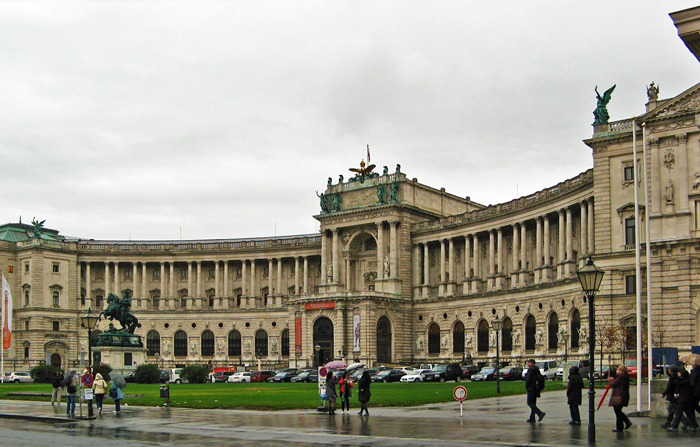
(346, 385)
(620, 398)
(364, 393)
(330, 393)
(695, 385)
(116, 393)
(669, 394)
(100, 387)
(684, 393)
(573, 394)
(71, 393)
(57, 388)
(534, 383)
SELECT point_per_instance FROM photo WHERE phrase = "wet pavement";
(494, 421)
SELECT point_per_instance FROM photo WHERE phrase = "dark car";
(510, 373)
(486, 373)
(444, 372)
(284, 376)
(306, 376)
(260, 376)
(222, 376)
(164, 376)
(358, 373)
(469, 370)
(388, 375)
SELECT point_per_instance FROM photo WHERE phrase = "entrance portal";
(323, 338)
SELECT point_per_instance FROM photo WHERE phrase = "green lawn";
(280, 396)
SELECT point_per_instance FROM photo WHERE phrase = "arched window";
(482, 336)
(458, 337)
(530, 326)
(207, 343)
(552, 330)
(153, 343)
(434, 339)
(507, 335)
(575, 327)
(261, 343)
(285, 342)
(383, 340)
(180, 344)
(234, 343)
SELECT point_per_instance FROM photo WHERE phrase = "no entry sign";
(460, 393)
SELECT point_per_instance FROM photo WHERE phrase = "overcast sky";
(220, 120)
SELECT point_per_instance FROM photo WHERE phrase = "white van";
(548, 368)
(175, 375)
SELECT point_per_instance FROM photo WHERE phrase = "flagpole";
(638, 267)
(647, 233)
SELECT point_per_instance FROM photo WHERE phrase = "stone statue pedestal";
(118, 356)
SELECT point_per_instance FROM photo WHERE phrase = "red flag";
(6, 314)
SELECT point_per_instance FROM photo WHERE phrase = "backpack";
(540, 382)
(71, 388)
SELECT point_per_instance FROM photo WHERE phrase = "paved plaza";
(494, 421)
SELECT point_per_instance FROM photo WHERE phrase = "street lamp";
(565, 339)
(317, 348)
(89, 321)
(497, 325)
(590, 277)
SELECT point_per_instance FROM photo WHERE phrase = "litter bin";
(165, 391)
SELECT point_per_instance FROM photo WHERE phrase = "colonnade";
(536, 255)
(181, 284)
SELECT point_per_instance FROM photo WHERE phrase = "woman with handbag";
(620, 398)
(117, 394)
(100, 387)
(364, 392)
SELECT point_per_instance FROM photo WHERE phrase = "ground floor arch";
(323, 340)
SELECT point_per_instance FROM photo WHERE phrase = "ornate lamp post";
(89, 321)
(565, 340)
(497, 325)
(590, 277)
(317, 348)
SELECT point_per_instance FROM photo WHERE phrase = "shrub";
(44, 373)
(195, 373)
(147, 373)
(103, 369)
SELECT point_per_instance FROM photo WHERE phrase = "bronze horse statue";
(120, 310)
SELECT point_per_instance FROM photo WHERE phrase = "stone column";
(394, 244)
(88, 281)
(681, 196)
(380, 251)
(306, 276)
(426, 270)
(561, 246)
(524, 271)
(252, 296)
(539, 262)
(492, 258)
(190, 291)
(546, 243)
(451, 268)
(416, 271)
(226, 290)
(476, 278)
(117, 282)
(79, 275)
(297, 275)
(569, 242)
(144, 281)
(583, 237)
(244, 283)
(217, 278)
(108, 286)
(134, 279)
(199, 281)
(324, 257)
(336, 255)
(270, 283)
(499, 258)
(171, 283)
(443, 271)
(656, 186)
(467, 264)
(280, 293)
(515, 257)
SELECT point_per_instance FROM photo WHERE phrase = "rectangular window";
(56, 267)
(183, 273)
(631, 284)
(26, 268)
(26, 325)
(56, 326)
(10, 269)
(26, 352)
(55, 295)
(628, 172)
(127, 274)
(630, 238)
(156, 273)
(128, 359)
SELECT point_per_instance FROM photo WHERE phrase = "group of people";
(682, 393)
(70, 381)
(346, 384)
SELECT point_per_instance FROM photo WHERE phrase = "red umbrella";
(607, 388)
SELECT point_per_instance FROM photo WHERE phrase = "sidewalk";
(494, 421)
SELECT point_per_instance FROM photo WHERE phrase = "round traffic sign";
(87, 379)
(460, 393)
(323, 372)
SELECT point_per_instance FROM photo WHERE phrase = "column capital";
(682, 138)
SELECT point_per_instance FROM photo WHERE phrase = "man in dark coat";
(695, 385)
(669, 394)
(533, 378)
(684, 392)
(573, 394)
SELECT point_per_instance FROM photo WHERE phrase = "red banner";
(297, 335)
(320, 305)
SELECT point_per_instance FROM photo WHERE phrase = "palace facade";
(400, 272)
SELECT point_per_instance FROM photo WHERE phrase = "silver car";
(19, 377)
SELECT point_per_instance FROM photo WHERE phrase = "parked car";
(164, 376)
(469, 370)
(510, 373)
(631, 365)
(444, 372)
(405, 369)
(284, 376)
(388, 375)
(602, 372)
(19, 377)
(222, 376)
(582, 367)
(310, 375)
(417, 375)
(175, 376)
(427, 366)
(356, 374)
(547, 368)
(260, 375)
(486, 373)
(240, 377)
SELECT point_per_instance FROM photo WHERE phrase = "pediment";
(685, 103)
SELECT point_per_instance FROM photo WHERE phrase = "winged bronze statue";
(601, 111)
(363, 171)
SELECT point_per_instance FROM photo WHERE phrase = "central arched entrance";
(384, 340)
(323, 338)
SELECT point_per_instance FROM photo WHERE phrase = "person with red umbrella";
(620, 398)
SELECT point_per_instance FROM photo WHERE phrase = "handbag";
(113, 393)
(615, 401)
